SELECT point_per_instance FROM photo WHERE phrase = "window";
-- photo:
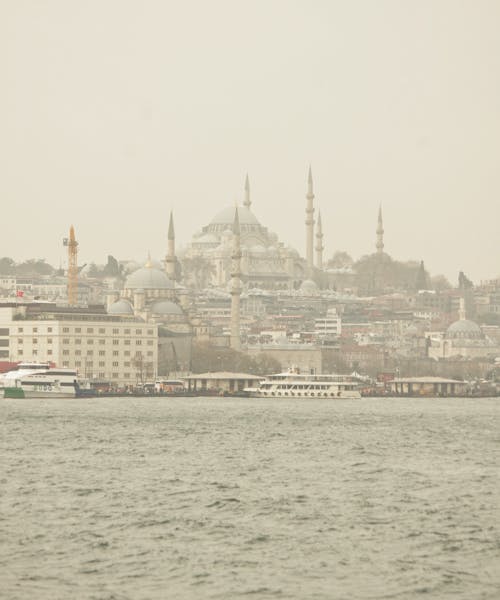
(126, 331)
(150, 332)
(138, 331)
(101, 374)
(115, 363)
(138, 342)
(102, 330)
(102, 342)
(127, 353)
(78, 363)
(65, 352)
(78, 352)
(126, 342)
(78, 341)
(78, 330)
(65, 341)
(126, 364)
(65, 329)
(90, 342)
(90, 353)
(19, 330)
(49, 340)
(90, 330)
(115, 353)
(65, 363)
(35, 329)
(115, 375)
(35, 352)
(49, 351)
(116, 342)
(20, 340)
(150, 342)
(150, 353)
(20, 352)
(89, 363)
(102, 353)
(126, 375)
(116, 331)
(102, 363)
(35, 340)
(49, 329)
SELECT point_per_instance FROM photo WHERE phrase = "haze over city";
(113, 113)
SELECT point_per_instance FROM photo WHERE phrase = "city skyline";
(392, 105)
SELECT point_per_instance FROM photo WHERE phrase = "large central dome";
(148, 278)
(226, 216)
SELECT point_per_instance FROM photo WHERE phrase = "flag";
(19, 293)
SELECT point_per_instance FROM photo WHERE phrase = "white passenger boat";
(39, 380)
(293, 384)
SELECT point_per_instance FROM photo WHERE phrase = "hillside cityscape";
(236, 299)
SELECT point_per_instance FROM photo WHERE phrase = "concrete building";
(116, 348)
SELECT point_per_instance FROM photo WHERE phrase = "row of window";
(102, 330)
(102, 353)
(90, 342)
(103, 375)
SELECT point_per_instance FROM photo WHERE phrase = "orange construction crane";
(72, 245)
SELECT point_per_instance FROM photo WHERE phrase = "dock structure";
(427, 386)
(221, 382)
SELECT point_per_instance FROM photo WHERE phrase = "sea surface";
(153, 498)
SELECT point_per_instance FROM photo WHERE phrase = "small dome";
(308, 285)
(165, 307)
(464, 328)
(226, 216)
(148, 278)
(121, 307)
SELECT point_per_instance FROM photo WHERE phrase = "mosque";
(266, 263)
(463, 338)
(237, 252)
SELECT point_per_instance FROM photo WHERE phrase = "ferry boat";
(293, 384)
(39, 380)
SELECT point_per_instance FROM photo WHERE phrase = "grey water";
(139, 498)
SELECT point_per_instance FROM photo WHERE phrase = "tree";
(7, 266)
(340, 260)
(440, 283)
(34, 266)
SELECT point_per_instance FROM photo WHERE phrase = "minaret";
(380, 233)
(170, 258)
(319, 244)
(461, 310)
(235, 284)
(247, 203)
(309, 221)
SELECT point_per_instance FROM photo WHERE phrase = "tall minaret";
(319, 244)
(309, 221)
(247, 203)
(380, 233)
(235, 285)
(170, 258)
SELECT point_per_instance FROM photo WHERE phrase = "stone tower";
(170, 259)
(319, 244)
(310, 222)
(380, 233)
(235, 285)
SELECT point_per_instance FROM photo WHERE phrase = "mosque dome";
(121, 307)
(308, 285)
(463, 328)
(226, 216)
(148, 278)
(165, 307)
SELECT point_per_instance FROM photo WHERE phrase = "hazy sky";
(113, 112)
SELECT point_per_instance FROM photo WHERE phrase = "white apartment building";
(329, 326)
(120, 349)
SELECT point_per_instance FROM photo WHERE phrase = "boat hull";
(19, 392)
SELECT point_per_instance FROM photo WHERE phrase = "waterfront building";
(119, 349)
